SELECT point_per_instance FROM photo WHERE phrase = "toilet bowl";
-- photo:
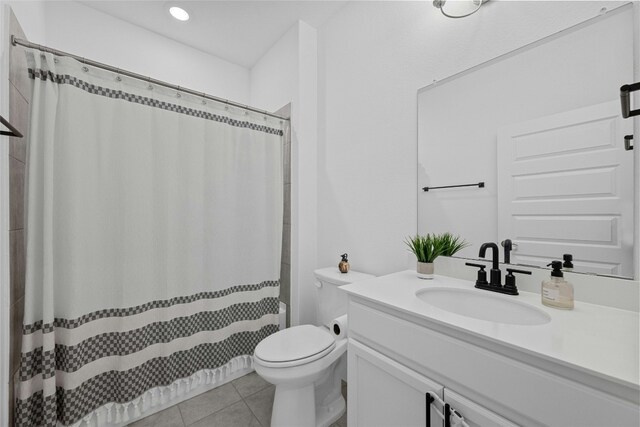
(307, 363)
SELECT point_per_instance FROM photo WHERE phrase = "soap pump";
(567, 265)
(344, 264)
(556, 291)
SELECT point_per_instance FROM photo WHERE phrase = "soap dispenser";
(567, 265)
(556, 291)
(344, 264)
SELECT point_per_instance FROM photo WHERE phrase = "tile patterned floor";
(244, 402)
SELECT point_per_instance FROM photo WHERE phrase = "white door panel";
(565, 185)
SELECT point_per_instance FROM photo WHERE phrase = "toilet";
(306, 363)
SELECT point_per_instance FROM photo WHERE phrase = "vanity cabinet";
(384, 393)
(395, 358)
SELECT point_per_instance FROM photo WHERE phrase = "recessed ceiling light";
(179, 13)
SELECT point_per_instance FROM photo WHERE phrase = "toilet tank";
(330, 302)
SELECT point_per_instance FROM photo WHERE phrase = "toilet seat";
(294, 346)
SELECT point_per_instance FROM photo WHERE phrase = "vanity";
(421, 348)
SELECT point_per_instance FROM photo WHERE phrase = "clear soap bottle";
(556, 291)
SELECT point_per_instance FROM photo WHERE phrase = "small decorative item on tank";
(344, 264)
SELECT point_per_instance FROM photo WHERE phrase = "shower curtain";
(154, 230)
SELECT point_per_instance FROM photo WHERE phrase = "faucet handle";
(510, 279)
(513, 270)
(482, 275)
(471, 264)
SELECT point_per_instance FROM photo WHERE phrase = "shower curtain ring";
(204, 98)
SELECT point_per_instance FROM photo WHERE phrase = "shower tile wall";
(19, 93)
(285, 263)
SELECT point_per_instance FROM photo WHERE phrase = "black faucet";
(495, 283)
(495, 274)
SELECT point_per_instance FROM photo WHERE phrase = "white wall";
(373, 57)
(81, 30)
(274, 78)
(287, 73)
(304, 174)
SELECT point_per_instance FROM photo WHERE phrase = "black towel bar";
(478, 184)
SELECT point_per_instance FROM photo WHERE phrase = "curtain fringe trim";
(122, 413)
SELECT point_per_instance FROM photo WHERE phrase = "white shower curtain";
(154, 230)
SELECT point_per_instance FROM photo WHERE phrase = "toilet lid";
(300, 343)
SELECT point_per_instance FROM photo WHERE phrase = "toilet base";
(295, 407)
(329, 414)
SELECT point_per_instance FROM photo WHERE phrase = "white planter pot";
(425, 270)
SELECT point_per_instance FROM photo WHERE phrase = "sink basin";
(483, 305)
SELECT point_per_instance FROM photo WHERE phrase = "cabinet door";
(385, 393)
(474, 414)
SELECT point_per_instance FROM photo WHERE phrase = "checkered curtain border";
(66, 79)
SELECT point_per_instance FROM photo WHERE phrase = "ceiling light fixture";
(458, 8)
(179, 13)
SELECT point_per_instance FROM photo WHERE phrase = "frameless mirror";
(541, 128)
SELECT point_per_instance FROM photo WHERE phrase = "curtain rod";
(16, 41)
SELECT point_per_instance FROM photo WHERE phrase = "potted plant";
(429, 247)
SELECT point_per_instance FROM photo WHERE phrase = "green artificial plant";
(429, 247)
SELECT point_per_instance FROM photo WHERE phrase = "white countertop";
(598, 340)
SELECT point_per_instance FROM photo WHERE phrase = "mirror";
(541, 127)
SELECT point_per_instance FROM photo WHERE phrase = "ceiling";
(236, 31)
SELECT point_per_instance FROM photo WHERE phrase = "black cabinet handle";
(447, 415)
(429, 399)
